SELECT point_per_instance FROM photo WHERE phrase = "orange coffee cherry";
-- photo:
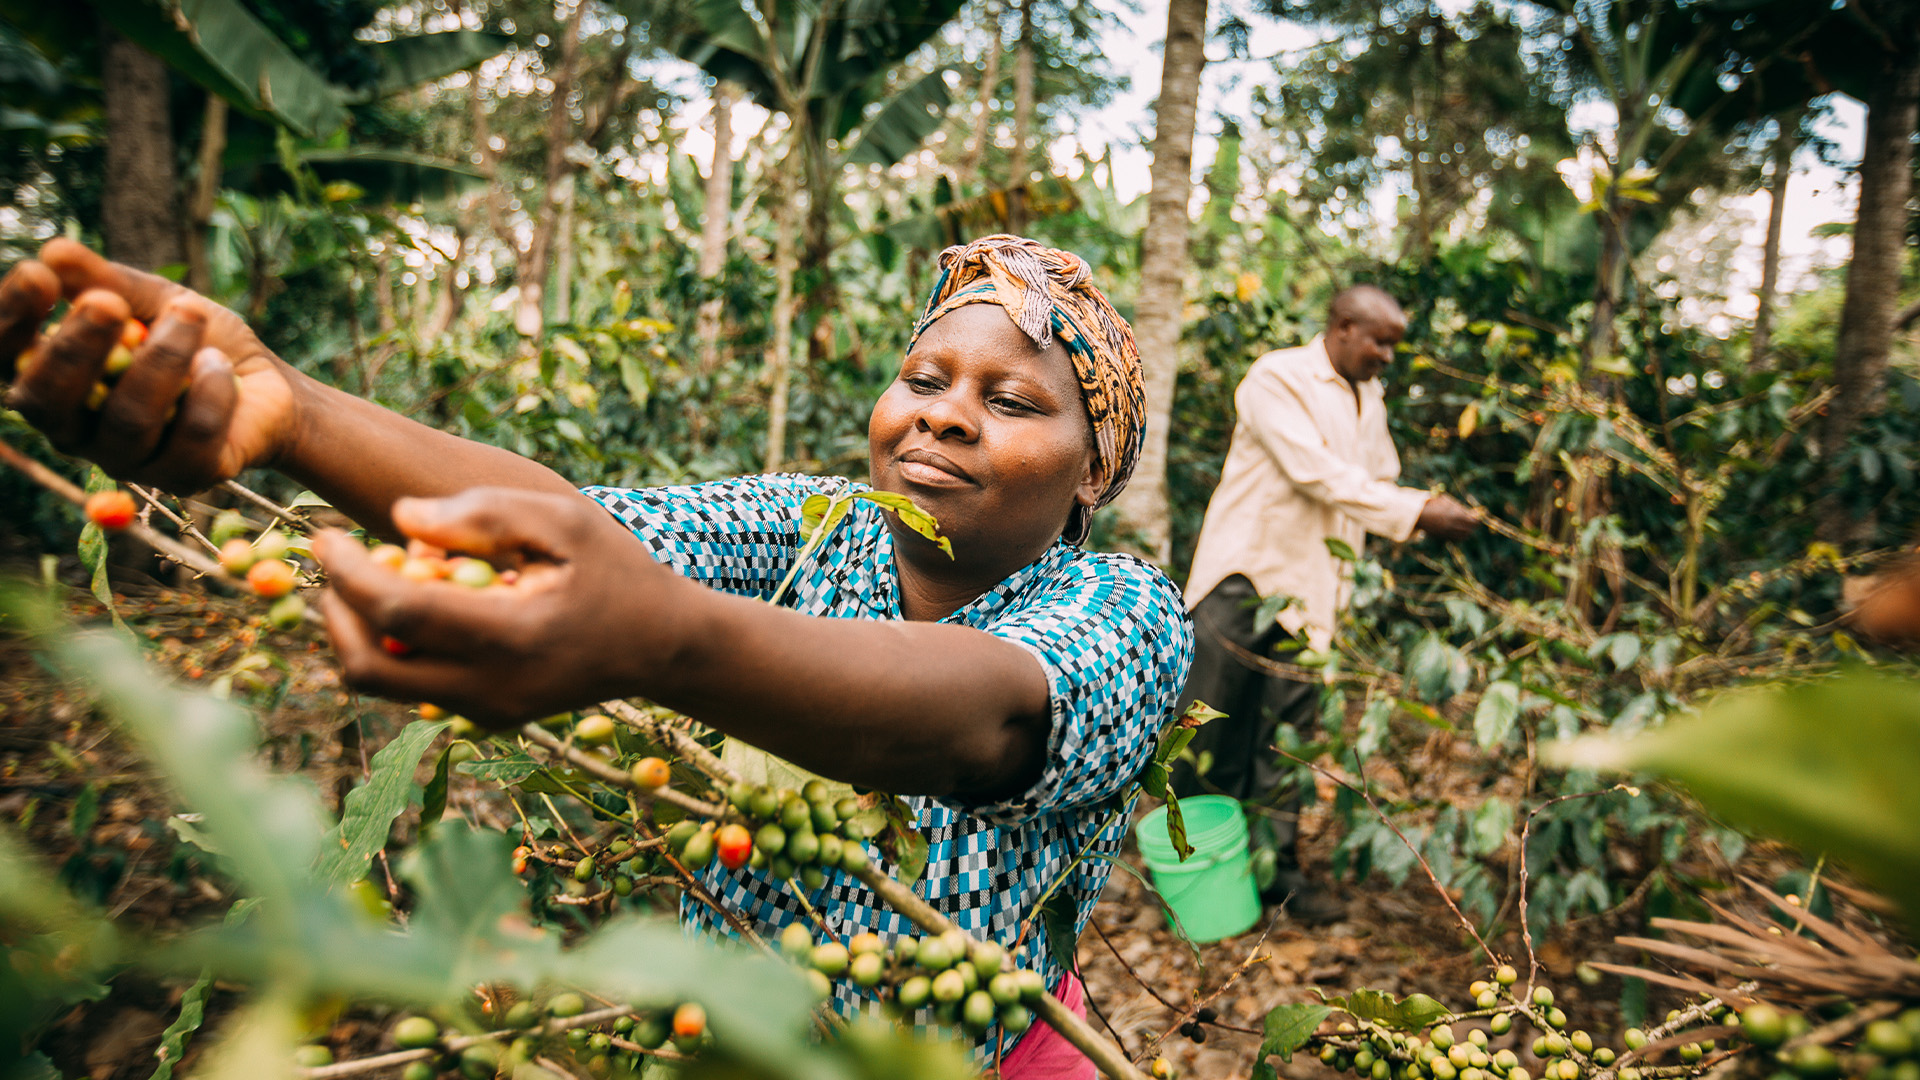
(111, 510)
(271, 578)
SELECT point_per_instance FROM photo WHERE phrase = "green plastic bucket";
(1211, 892)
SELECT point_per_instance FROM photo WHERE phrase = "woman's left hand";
(588, 601)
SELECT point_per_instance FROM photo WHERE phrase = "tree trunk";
(563, 251)
(969, 168)
(1018, 170)
(1144, 520)
(139, 211)
(1873, 275)
(535, 260)
(717, 221)
(206, 191)
(780, 353)
(452, 299)
(1762, 339)
(1609, 281)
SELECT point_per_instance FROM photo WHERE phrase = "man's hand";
(1444, 519)
(589, 612)
(202, 400)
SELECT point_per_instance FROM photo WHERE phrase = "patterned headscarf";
(1049, 293)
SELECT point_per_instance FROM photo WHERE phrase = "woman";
(1009, 689)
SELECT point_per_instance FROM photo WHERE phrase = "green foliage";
(1825, 765)
(1287, 1028)
(224, 48)
(369, 810)
(1416, 1011)
(305, 941)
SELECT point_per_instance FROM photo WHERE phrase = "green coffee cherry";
(1505, 975)
(1542, 996)
(988, 957)
(651, 1031)
(915, 992)
(932, 955)
(699, 850)
(978, 1012)
(567, 1004)
(866, 969)
(948, 986)
(480, 1061)
(1888, 1039)
(764, 804)
(830, 958)
(803, 847)
(415, 1032)
(678, 836)
(1015, 1018)
(1031, 984)
(822, 986)
(1814, 1062)
(1004, 988)
(312, 1056)
(1762, 1024)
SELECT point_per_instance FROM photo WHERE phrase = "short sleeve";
(1115, 643)
(737, 536)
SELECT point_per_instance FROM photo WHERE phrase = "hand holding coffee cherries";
(482, 613)
(154, 383)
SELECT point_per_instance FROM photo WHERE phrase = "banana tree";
(224, 48)
(829, 67)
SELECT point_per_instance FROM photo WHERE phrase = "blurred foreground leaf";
(1827, 766)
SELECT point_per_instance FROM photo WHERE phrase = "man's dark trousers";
(1227, 675)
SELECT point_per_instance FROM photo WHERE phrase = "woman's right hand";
(203, 399)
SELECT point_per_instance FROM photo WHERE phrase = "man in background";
(1311, 462)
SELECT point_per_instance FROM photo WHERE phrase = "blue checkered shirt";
(1110, 632)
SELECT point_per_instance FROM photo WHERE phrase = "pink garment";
(1044, 1054)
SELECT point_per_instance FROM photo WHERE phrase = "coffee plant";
(505, 954)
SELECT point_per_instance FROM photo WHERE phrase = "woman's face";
(986, 431)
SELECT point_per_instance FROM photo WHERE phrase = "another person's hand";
(1444, 519)
(203, 399)
(588, 613)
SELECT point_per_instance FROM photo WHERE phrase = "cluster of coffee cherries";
(263, 563)
(421, 561)
(619, 866)
(612, 1049)
(965, 980)
(784, 832)
(1381, 1054)
(1886, 1049)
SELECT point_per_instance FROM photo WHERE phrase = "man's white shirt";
(1310, 460)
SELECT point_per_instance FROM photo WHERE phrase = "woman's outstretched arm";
(922, 708)
(206, 399)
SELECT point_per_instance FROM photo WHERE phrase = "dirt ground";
(52, 748)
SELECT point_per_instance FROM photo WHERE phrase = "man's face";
(1362, 347)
